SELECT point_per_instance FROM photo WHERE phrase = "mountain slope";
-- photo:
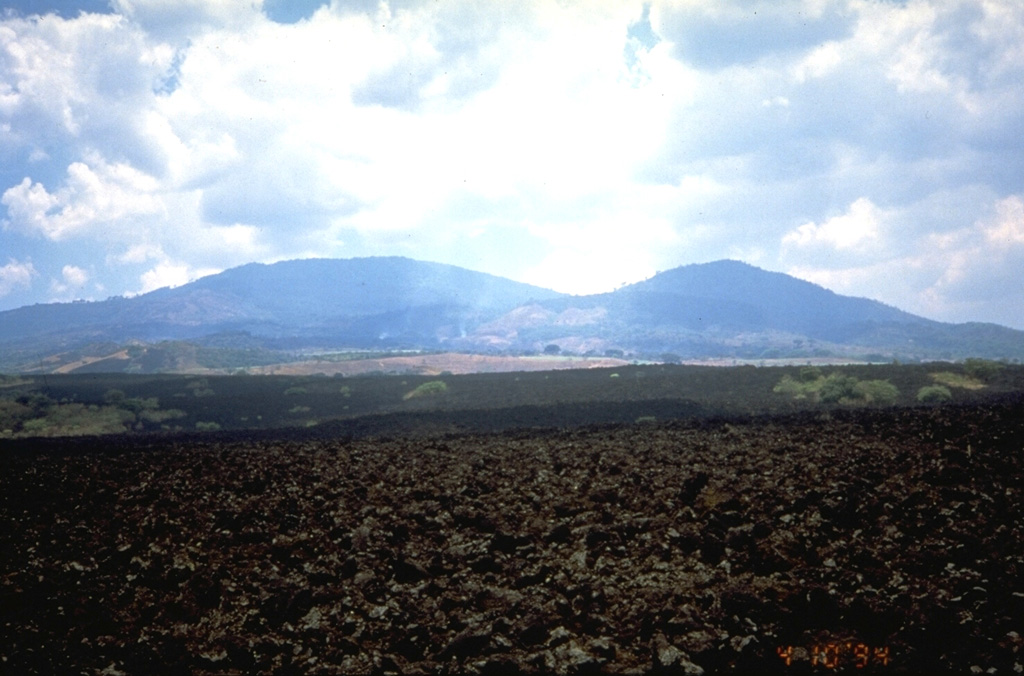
(320, 288)
(351, 299)
(769, 299)
(740, 296)
(720, 309)
(728, 308)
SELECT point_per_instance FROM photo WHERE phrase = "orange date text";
(836, 655)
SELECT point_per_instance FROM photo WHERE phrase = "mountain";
(730, 293)
(732, 309)
(385, 302)
(720, 309)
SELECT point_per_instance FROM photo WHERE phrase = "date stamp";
(836, 655)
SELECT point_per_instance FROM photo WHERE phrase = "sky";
(875, 147)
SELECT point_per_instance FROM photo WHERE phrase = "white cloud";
(74, 276)
(168, 273)
(164, 274)
(571, 270)
(15, 274)
(819, 62)
(775, 101)
(858, 227)
(140, 253)
(71, 284)
(965, 274)
(825, 136)
(1007, 229)
(80, 84)
(980, 261)
(181, 19)
(594, 255)
(99, 199)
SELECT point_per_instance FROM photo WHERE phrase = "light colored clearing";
(459, 363)
(436, 364)
(950, 379)
(85, 361)
(787, 361)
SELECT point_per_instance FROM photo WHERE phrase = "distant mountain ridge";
(290, 297)
(720, 309)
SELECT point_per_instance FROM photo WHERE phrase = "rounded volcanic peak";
(729, 279)
(359, 286)
(339, 296)
(779, 301)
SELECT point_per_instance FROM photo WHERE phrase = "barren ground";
(435, 364)
(674, 547)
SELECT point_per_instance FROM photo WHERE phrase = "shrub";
(878, 391)
(207, 426)
(294, 390)
(39, 403)
(139, 404)
(36, 427)
(838, 388)
(790, 387)
(804, 388)
(78, 419)
(982, 369)
(934, 394)
(134, 404)
(113, 397)
(428, 389)
(12, 413)
(809, 374)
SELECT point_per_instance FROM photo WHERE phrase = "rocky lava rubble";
(661, 548)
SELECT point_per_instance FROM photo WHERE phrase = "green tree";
(809, 374)
(982, 369)
(12, 414)
(113, 397)
(838, 388)
(39, 403)
(790, 387)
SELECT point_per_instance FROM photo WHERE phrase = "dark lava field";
(868, 540)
